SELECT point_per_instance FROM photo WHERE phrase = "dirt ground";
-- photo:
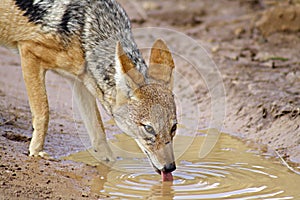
(254, 43)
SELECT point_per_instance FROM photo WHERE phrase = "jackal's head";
(145, 107)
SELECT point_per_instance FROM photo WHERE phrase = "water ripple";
(200, 180)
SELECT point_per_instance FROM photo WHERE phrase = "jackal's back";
(97, 24)
(92, 20)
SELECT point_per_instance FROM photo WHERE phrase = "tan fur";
(34, 77)
(16, 31)
(52, 55)
(14, 26)
(36, 59)
(160, 55)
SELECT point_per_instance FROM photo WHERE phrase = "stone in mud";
(280, 18)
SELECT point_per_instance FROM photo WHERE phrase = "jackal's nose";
(169, 167)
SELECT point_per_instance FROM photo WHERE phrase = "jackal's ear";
(161, 64)
(128, 78)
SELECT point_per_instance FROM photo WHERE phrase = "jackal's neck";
(106, 24)
(101, 63)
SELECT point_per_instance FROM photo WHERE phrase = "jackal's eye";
(174, 127)
(149, 129)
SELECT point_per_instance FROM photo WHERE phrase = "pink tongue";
(167, 176)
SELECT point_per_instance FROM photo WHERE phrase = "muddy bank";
(260, 69)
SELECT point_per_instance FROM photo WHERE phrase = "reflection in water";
(231, 171)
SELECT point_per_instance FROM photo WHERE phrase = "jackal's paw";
(41, 154)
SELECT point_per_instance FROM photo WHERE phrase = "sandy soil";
(257, 55)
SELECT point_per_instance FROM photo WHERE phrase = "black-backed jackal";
(90, 43)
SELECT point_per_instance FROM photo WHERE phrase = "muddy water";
(231, 171)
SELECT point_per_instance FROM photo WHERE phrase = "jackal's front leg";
(92, 120)
(34, 77)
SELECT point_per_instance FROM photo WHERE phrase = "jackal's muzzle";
(167, 168)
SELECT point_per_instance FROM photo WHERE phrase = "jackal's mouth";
(165, 174)
(157, 170)
(165, 170)
(168, 168)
